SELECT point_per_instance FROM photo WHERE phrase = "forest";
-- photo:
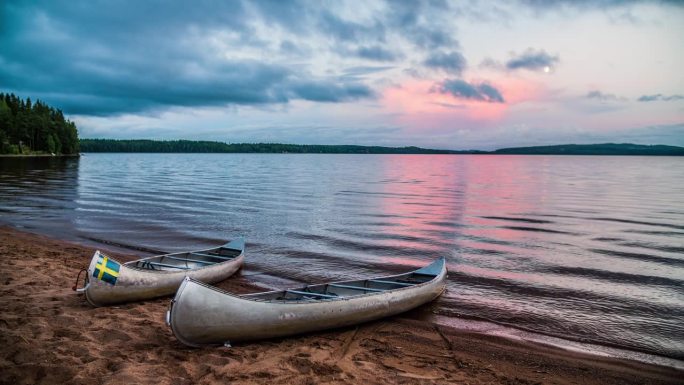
(190, 146)
(28, 128)
(595, 149)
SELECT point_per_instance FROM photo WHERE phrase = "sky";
(434, 73)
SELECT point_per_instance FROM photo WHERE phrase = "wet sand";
(50, 335)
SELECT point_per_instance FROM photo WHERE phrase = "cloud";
(659, 97)
(423, 23)
(453, 62)
(361, 71)
(348, 31)
(376, 53)
(588, 4)
(604, 97)
(113, 58)
(237, 82)
(488, 62)
(471, 91)
(328, 91)
(532, 60)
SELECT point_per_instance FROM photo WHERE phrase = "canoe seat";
(390, 282)
(224, 257)
(310, 294)
(354, 287)
(191, 260)
(166, 265)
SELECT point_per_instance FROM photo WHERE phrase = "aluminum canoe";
(109, 281)
(203, 315)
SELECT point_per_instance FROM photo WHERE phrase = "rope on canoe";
(77, 278)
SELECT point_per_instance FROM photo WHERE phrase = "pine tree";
(26, 126)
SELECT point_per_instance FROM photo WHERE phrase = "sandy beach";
(50, 335)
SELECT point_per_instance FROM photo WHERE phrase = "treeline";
(30, 128)
(596, 149)
(189, 146)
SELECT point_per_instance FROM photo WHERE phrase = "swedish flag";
(106, 269)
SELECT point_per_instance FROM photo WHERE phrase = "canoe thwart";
(390, 282)
(354, 287)
(190, 260)
(224, 257)
(166, 265)
(308, 293)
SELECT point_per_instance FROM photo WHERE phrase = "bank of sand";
(50, 335)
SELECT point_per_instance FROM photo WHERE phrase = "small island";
(35, 129)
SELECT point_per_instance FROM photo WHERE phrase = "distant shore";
(190, 146)
(68, 341)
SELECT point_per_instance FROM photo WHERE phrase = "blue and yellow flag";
(106, 270)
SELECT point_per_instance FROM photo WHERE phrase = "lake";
(583, 248)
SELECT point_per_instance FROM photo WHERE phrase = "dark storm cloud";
(531, 60)
(660, 97)
(129, 56)
(472, 91)
(114, 58)
(453, 62)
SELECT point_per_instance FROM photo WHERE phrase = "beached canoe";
(109, 281)
(203, 315)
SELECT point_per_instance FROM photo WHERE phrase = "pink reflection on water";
(498, 274)
(403, 261)
(443, 210)
(417, 199)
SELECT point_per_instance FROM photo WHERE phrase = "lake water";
(583, 248)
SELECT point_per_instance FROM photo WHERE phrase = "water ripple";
(585, 248)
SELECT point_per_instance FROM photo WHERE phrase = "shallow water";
(584, 248)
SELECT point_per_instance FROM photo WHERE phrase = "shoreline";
(39, 156)
(267, 280)
(66, 340)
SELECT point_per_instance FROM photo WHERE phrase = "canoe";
(203, 315)
(109, 281)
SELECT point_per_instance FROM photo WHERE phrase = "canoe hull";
(134, 284)
(202, 315)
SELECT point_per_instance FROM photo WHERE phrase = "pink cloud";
(417, 104)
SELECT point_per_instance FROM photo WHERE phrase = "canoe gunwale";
(309, 301)
(131, 263)
(239, 312)
(137, 284)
